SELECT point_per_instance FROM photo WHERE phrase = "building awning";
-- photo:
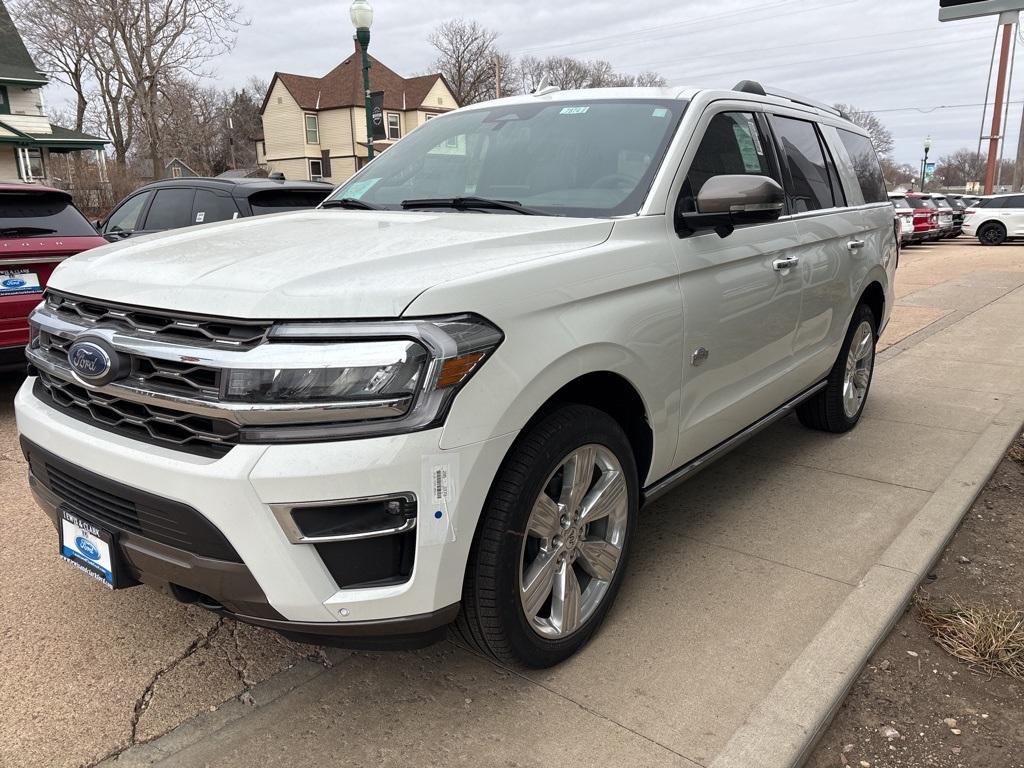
(59, 140)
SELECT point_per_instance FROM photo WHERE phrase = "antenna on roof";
(542, 84)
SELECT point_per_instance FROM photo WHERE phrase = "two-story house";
(29, 143)
(315, 127)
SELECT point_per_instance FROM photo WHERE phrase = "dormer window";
(5, 105)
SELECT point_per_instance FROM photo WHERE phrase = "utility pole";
(1018, 167)
(997, 113)
(497, 77)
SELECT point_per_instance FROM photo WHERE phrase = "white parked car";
(996, 219)
(444, 395)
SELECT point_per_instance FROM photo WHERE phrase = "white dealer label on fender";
(440, 481)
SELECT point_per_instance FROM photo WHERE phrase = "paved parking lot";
(741, 588)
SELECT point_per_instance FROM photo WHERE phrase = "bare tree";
(897, 174)
(154, 42)
(963, 166)
(59, 37)
(881, 138)
(568, 73)
(466, 54)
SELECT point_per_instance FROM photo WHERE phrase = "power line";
(929, 110)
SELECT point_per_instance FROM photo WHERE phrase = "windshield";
(587, 158)
(41, 214)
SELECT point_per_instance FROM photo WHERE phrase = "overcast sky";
(888, 56)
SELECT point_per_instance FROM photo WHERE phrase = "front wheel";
(838, 407)
(551, 547)
(992, 233)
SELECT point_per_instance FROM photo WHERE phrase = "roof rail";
(752, 86)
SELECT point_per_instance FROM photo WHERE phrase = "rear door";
(213, 205)
(826, 227)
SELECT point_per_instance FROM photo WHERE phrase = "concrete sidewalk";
(755, 593)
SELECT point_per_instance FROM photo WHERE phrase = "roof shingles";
(343, 86)
(15, 61)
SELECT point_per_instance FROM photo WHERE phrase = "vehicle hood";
(317, 263)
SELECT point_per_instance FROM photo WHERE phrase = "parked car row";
(40, 227)
(929, 217)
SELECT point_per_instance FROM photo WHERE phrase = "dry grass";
(989, 639)
(1016, 452)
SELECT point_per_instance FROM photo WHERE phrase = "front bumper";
(278, 583)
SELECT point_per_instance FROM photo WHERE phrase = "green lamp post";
(361, 14)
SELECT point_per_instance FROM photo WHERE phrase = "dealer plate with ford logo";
(14, 282)
(88, 548)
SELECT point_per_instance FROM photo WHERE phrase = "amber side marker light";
(457, 369)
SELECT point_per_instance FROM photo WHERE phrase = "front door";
(741, 299)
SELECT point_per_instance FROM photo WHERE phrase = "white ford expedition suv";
(443, 396)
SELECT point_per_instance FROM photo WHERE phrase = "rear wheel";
(992, 233)
(838, 407)
(551, 548)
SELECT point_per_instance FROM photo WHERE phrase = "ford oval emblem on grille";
(94, 361)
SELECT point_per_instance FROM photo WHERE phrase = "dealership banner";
(377, 111)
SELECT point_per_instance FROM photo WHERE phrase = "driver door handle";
(856, 245)
(780, 265)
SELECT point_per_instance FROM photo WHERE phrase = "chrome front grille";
(170, 376)
(162, 426)
(169, 326)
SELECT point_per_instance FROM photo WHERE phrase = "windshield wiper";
(27, 231)
(468, 203)
(349, 202)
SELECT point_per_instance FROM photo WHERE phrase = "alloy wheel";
(859, 364)
(573, 542)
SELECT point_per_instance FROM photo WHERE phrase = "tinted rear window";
(900, 202)
(917, 202)
(40, 215)
(281, 200)
(865, 165)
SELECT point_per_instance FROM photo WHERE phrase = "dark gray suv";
(176, 203)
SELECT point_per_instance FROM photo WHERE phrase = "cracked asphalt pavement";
(86, 673)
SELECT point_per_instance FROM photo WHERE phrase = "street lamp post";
(924, 163)
(361, 14)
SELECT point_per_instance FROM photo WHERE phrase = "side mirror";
(727, 202)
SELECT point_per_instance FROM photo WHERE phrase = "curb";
(783, 729)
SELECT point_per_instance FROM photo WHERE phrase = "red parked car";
(39, 228)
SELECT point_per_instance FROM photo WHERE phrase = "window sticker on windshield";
(574, 110)
(360, 188)
(659, 112)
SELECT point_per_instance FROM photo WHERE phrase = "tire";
(830, 410)
(513, 541)
(992, 233)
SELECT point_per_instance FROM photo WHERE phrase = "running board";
(667, 483)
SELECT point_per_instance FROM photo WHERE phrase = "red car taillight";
(970, 211)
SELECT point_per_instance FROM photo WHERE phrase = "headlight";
(369, 371)
(377, 378)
